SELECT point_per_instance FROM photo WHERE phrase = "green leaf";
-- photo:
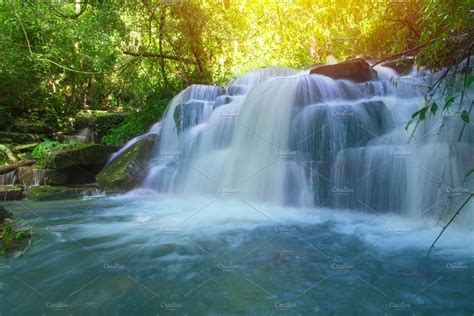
(465, 116)
(448, 100)
(468, 82)
(434, 108)
(423, 113)
(415, 114)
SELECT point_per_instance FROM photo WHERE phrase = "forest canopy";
(58, 57)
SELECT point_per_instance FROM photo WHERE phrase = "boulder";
(38, 176)
(402, 66)
(4, 214)
(357, 70)
(81, 156)
(50, 193)
(128, 170)
(10, 192)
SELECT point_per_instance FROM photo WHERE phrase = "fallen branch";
(13, 166)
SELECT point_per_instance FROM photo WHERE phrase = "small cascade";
(286, 137)
(8, 178)
(85, 136)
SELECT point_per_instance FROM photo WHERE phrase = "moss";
(6, 155)
(128, 170)
(53, 154)
(50, 193)
(11, 192)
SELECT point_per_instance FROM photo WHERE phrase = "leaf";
(415, 114)
(448, 100)
(465, 116)
(434, 108)
(468, 82)
(423, 113)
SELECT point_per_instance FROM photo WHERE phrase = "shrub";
(136, 123)
(43, 151)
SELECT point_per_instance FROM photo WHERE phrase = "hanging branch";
(450, 221)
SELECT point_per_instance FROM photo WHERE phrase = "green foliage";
(447, 30)
(137, 122)
(60, 57)
(43, 151)
(11, 239)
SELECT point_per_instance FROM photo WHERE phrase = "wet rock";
(38, 176)
(50, 193)
(357, 70)
(402, 66)
(4, 214)
(129, 169)
(10, 192)
(85, 156)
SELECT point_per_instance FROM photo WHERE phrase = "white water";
(285, 137)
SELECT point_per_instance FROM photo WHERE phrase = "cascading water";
(8, 178)
(261, 174)
(286, 137)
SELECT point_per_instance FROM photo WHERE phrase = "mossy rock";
(11, 192)
(129, 169)
(80, 155)
(50, 193)
(6, 155)
(31, 175)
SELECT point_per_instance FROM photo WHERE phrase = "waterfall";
(9, 178)
(286, 137)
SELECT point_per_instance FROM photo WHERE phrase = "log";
(13, 166)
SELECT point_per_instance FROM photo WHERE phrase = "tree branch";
(405, 52)
(450, 221)
(13, 166)
(72, 16)
(154, 55)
